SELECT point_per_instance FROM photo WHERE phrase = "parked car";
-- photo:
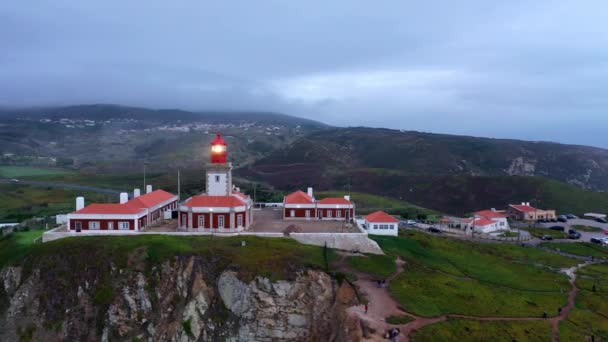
(560, 228)
(546, 237)
(598, 241)
(601, 220)
(552, 220)
(412, 222)
(573, 234)
(571, 216)
(434, 230)
(562, 218)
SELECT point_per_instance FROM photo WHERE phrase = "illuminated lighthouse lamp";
(219, 153)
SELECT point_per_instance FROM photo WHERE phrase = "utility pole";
(179, 198)
(144, 188)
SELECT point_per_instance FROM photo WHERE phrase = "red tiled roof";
(214, 201)
(241, 195)
(490, 214)
(151, 199)
(298, 197)
(334, 200)
(483, 222)
(380, 216)
(109, 209)
(525, 208)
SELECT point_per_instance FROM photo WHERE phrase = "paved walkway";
(382, 305)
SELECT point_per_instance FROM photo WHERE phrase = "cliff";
(66, 292)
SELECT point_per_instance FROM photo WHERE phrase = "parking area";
(270, 220)
(585, 236)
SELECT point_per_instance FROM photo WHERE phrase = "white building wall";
(392, 228)
(218, 184)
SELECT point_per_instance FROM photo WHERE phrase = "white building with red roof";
(526, 212)
(488, 221)
(381, 223)
(300, 205)
(128, 215)
(222, 208)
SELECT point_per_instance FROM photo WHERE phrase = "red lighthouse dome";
(219, 152)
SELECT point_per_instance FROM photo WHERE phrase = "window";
(94, 225)
(123, 225)
(307, 213)
(110, 225)
(217, 178)
(201, 221)
(338, 213)
(375, 226)
(220, 221)
(239, 220)
(292, 213)
(391, 226)
(329, 213)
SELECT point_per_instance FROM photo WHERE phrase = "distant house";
(487, 221)
(381, 223)
(525, 212)
(302, 205)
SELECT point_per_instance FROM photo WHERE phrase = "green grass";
(453, 276)
(589, 317)
(27, 171)
(457, 329)
(579, 248)
(367, 203)
(539, 232)
(378, 265)
(20, 202)
(584, 228)
(16, 245)
(275, 258)
(399, 320)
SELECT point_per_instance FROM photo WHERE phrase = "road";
(63, 186)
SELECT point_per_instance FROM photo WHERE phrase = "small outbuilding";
(381, 223)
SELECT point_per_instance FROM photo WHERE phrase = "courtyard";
(270, 220)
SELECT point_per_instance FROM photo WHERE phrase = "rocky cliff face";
(184, 299)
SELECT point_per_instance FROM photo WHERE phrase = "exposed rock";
(186, 299)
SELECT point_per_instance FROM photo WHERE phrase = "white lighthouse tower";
(219, 174)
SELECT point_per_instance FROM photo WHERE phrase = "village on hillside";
(223, 209)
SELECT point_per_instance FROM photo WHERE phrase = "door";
(347, 215)
(320, 214)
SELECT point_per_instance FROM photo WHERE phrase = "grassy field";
(470, 330)
(583, 228)
(452, 276)
(275, 258)
(26, 171)
(380, 266)
(15, 246)
(590, 316)
(367, 203)
(538, 232)
(579, 248)
(20, 202)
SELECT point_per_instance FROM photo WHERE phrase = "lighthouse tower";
(219, 174)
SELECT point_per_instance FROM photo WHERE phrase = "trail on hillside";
(382, 305)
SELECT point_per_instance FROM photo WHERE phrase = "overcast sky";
(533, 70)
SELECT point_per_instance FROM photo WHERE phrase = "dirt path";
(382, 305)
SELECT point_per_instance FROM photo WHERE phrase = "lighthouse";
(219, 173)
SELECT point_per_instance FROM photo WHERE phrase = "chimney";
(523, 203)
(493, 209)
(309, 192)
(148, 188)
(136, 193)
(79, 203)
(124, 197)
(347, 197)
(528, 204)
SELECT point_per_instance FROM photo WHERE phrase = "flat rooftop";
(270, 220)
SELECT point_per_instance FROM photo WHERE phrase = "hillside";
(113, 138)
(452, 174)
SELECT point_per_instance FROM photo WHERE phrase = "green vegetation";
(399, 320)
(588, 318)
(378, 265)
(367, 203)
(187, 325)
(539, 232)
(20, 202)
(16, 246)
(456, 329)
(26, 171)
(454, 276)
(583, 228)
(274, 258)
(579, 248)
